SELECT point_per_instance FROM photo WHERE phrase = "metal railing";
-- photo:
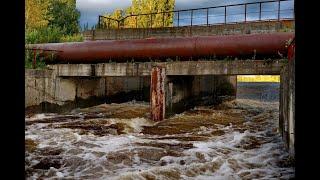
(203, 16)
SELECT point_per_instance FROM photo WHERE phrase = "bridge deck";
(235, 67)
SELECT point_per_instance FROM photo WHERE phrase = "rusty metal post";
(157, 88)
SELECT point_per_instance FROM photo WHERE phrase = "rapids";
(235, 140)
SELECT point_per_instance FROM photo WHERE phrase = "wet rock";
(200, 156)
(251, 142)
(47, 151)
(124, 157)
(149, 176)
(182, 162)
(74, 151)
(74, 162)
(156, 154)
(217, 133)
(163, 163)
(286, 162)
(96, 127)
(50, 161)
(234, 165)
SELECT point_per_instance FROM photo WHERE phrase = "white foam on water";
(220, 157)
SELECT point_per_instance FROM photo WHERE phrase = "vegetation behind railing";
(256, 11)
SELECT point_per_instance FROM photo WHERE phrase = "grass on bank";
(258, 78)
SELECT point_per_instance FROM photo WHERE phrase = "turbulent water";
(235, 140)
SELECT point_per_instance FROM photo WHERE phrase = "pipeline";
(271, 44)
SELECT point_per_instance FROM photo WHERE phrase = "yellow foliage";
(258, 78)
(36, 13)
(143, 21)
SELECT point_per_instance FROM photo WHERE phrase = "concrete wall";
(239, 28)
(287, 106)
(44, 91)
(47, 92)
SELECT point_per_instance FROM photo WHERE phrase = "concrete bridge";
(175, 82)
(172, 86)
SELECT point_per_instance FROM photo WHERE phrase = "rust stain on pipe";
(185, 47)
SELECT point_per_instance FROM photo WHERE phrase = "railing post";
(260, 11)
(245, 13)
(99, 22)
(279, 10)
(163, 19)
(151, 20)
(191, 17)
(225, 14)
(136, 21)
(207, 16)
(178, 17)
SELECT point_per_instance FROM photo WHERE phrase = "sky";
(91, 9)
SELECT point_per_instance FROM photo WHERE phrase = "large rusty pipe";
(146, 49)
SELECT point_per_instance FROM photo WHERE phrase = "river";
(237, 139)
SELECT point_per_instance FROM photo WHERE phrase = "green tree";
(65, 16)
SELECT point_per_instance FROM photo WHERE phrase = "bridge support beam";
(157, 88)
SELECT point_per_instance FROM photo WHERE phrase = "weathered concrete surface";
(231, 67)
(40, 86)
(45, 88)
(287, 106)
(224, 29)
